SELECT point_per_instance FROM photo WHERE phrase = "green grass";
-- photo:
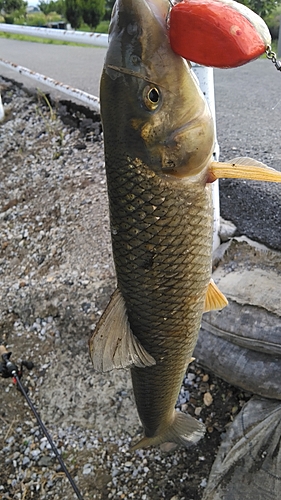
(38, 19)
(102, 27)
(33, 19)
(26, 38)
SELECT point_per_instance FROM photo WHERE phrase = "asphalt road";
(79, 67)
(248, 109)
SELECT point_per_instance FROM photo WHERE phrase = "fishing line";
(9, 369)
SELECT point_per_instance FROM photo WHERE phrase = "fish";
(159, 142)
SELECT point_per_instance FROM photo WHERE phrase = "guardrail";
(97, 39)
(88, 99)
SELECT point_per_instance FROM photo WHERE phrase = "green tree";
(11, 7)
(73, 13)
(261, 7)
(92, 11)
(57, 6)
(108, 8)
(273, 22)
(44, 7)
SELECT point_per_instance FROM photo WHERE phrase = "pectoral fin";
(243, 168)
(113, 344)
(214, 299)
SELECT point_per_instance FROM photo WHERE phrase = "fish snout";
(136, 15)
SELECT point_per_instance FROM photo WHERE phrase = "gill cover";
(151, 103)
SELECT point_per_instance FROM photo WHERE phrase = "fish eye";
(151, 97)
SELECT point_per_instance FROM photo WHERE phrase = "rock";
(208, 398)
(227, 230)
(25, 461)
(87, 469)
(248, 462)
(242, 343)
(45, 461)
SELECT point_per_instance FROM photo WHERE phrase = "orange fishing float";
(219, 33)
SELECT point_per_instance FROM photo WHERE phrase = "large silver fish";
(159, 139)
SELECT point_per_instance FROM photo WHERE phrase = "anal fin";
(113, 345)
(214, 299)
(243, 168)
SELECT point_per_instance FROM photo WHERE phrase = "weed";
(51, 124)
(43, 96)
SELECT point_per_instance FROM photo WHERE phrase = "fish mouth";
(137, 10)
(134, 19)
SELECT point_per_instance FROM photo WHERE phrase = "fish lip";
(138, 11)
(157, 7)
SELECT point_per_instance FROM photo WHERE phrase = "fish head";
(151, 103)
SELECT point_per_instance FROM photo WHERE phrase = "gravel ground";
(56, 276)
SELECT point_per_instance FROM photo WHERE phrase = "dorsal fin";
(243, 168)
(214, 299)
(113, 344)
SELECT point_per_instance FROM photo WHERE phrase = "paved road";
(79, 67)
(248, 103)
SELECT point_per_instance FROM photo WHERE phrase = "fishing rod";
(8, 369)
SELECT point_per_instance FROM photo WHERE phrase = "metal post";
(2, 112)
(206, 79)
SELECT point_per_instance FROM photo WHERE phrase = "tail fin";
(184, 430)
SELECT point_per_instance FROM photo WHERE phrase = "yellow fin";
(214, 299)
(243, 168)
(184, 430)
(113, 344)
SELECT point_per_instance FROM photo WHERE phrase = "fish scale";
(158, 305)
